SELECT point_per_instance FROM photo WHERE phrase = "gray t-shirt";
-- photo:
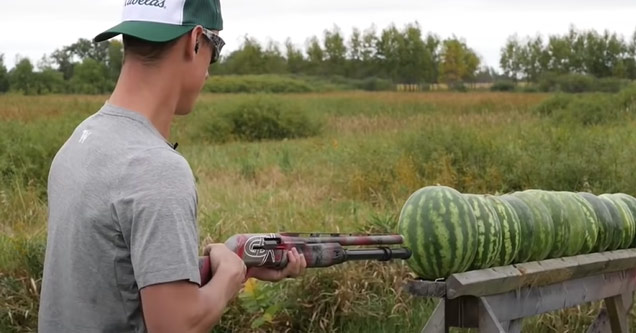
(122, 216)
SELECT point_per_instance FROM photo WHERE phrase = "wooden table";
(497, 299)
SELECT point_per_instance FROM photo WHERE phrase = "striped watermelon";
(589, 223)
(572, 228)
(615, 213)
(510, 230)
(606, 225)
(626, 220)
(439, 227)
(631, 204)
(526, 219)
(488, 232)
(559, 228)
(543, 233)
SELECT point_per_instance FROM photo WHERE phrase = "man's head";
(182, 34)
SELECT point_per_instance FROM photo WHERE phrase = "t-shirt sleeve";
(158, 200)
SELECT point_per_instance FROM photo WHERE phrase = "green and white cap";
(165, 20)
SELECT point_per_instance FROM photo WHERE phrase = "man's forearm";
(213, 298)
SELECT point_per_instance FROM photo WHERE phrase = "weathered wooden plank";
(617, 314)
(539, 273)
(426, 288)
(530, 301)
(488, 321)
(436, 322)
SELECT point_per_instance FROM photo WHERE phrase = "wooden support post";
(437, 322)
(488, 321)
(617, 314)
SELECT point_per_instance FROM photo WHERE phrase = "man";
(122, 249)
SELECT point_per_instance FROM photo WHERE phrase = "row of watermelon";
(450, 232)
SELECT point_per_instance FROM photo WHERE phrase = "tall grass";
(372, 151)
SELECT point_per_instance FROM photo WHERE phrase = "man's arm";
(182, 306)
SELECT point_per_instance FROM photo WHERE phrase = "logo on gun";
(254, 249)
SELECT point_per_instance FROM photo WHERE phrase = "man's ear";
(192, 43)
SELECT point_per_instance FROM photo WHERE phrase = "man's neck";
(148, 91)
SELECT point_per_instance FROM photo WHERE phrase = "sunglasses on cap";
(217, 44)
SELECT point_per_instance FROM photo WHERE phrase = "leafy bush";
(503, 85)
(569, 83)
(552, 104)
(261, 117)
(588, 110)
(255, 84)
(579, 83)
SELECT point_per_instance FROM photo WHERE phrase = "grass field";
(368, 152)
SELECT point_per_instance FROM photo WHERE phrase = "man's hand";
(224, 260)
(296, 265)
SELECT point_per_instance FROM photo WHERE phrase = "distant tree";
(248, 59)
(511, 58)
(294, 56)
(4, 76)
(414, 58)
(90, 77)
(387, 52)
(64, 60)
(458, 62)
(335, 52)
(315, 57)
(115, 59)
(21, 77)
(433, 44)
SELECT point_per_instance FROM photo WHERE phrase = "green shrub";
(592, 109)
(375, 84)
(579, 83)
(256, 84)
(569, 83)
(552, 104)
(261, 117)
(610, 84)
(503, 85)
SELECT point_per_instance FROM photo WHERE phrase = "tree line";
(405, 55)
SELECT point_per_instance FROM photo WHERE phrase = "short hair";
(148, 52)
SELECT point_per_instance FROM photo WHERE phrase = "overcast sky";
(33, 28)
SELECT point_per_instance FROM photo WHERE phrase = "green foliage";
(262, 117)
(458, 62)
(91, 77)
(256, 84)
(22, 79)
(590, 109)
(579, 83)
(4, 76)
(503, 85)
(579, 51)
(553, 104)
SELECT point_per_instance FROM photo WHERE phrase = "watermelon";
(559, 228)
(510, 230)
(439, 227)
(543, 233)
(626, 220)
(589, 223)
(526, 219)
(606, 225)
(631, 204)
(615, 213)
(488, 232)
